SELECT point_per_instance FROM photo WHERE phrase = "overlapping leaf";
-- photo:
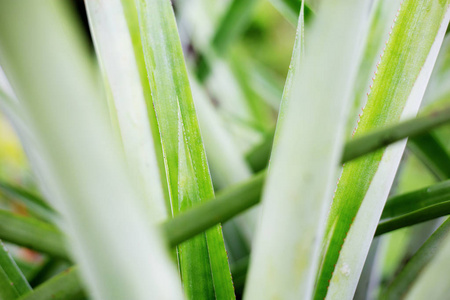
(305, 160)
(397, 90)
(76, 158)
(184, 156)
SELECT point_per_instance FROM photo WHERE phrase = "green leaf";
(305, 159)
(414, 217)
(225, 160)
(36, 205)
(424, 275)
(258, 157)
(12, 282)
(397, 248)
(438, 89)
(415, 207)
(432, 153)
(387, 135)
(396, 93)
(430, 148)
(64, 286)
(290, 9)
(115, 29)
(381, 16)
(262, 113)
(184, 156)
(232, 24)
(406, 203)
(48, 268)
(224, 157)
(101, 210)
(226, 205)
(32, 233)
(262, 81)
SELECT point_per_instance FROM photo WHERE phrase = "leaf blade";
(181, 141)
(370, 177)
(12, 282)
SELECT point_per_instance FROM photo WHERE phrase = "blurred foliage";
(13, 164)
(269, 39)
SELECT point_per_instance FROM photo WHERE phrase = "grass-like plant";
(141, 152)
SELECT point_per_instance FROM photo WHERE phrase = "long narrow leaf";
(432, 153)
(113, 40)
(32, 233)
(187, 169)
(259, 156)
(34, 203)
(226, 162)
(409, 128)
(119, 251)
(12, 282)
(304, 162)
(396, 93)
(64, 286)
(422, 277)
(416, 200)
(381, 16)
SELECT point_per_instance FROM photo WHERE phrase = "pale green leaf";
(114, 44)
(396, 93)
(79, 164)
(286, 250)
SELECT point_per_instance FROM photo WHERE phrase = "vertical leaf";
(81, 168)
(306, 157)
(185, 160)
(226, 162)
(115, 45)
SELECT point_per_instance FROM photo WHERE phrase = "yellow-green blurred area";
(13, 163)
